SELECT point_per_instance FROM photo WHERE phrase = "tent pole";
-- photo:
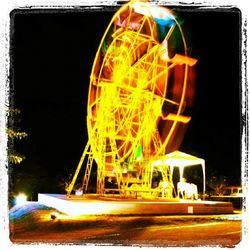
(204, 179)
(181, 169)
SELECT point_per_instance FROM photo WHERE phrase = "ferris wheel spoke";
(129, 17)
(157, 140)
(170, 32)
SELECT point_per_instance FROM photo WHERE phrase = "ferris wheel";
(137, 97)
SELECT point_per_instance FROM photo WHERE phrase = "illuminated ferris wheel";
(137, 97)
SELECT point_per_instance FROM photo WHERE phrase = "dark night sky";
(52, 54)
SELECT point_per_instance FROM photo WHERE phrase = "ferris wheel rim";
(184, 82)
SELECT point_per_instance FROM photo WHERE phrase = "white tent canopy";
(181, 160)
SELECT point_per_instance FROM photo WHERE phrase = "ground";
(35, 223)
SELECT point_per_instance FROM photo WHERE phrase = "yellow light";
(137, 95)
(21, 199)
(179, 118)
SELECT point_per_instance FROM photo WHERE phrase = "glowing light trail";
(137, 97)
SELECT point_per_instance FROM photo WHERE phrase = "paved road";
(145, 231)
(177, 232)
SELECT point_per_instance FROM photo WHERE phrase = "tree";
(14, 133)
(217, 183)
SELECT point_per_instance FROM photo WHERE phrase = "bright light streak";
(77, 208)
(21, 199)
(161, 14)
